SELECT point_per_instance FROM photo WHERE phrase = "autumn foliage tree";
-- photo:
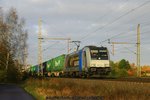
(120, 69)
(13, 41)
(124, 64)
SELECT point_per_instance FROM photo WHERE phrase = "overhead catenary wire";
(129, 36)
(118, 18)
(50, 46)
(146, 32)
(108, 13)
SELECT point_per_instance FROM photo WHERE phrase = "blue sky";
(89, 21)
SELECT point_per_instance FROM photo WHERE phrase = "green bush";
(122, 73)
(124, 64)
(114, 73)
(119, 69)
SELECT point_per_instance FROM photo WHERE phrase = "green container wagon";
(49, 65)
(55, 66)
(31, 70)
(34, 70)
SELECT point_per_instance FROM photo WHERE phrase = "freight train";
(88, 61)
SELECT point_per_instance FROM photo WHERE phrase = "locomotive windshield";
(99, 53)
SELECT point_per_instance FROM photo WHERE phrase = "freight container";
(55, 66)
(34, 70)
(49, 65)
(44, 68)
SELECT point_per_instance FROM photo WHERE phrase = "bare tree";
(17, 36)
(13, 40)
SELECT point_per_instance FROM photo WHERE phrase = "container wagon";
(55, 66)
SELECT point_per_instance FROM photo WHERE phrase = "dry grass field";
(107, 90)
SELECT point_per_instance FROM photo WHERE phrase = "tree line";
(121, 68)
(13, 44)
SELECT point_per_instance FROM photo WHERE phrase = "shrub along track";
(127, 79)
(135, 79)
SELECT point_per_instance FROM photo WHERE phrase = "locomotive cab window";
(99, 54)
(94, 54)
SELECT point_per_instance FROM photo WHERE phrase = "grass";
(109, 90)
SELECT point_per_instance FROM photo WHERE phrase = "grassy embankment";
(78, 87)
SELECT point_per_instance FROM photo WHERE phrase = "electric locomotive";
(90, 60)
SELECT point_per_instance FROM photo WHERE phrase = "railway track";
(138, 80)
(133, 79)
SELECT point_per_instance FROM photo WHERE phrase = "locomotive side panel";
(73, 64)
(86, 59)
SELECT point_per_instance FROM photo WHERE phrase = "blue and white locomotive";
(90, 60)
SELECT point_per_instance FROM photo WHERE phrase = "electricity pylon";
(137, 52)
(40, 38)
(40, 67)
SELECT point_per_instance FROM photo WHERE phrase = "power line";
(49, 46)
(145, 32)
(145, 43)
(110, 38)
(132, 10)
(120, 34)
(106, 14)
(113, 37)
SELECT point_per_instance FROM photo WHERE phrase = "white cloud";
(77, 18)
